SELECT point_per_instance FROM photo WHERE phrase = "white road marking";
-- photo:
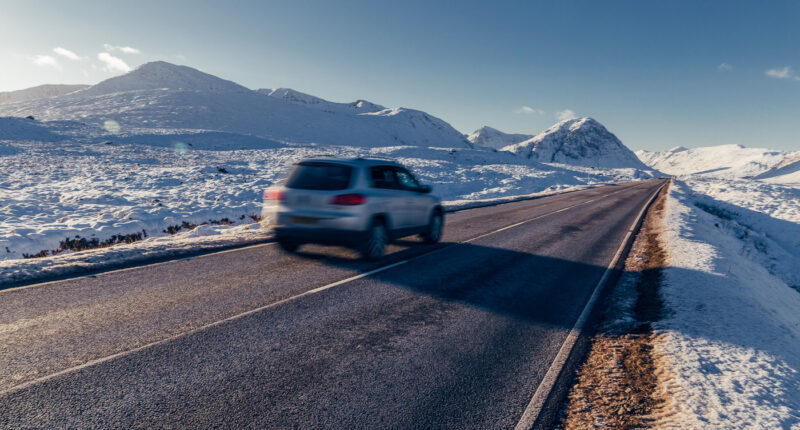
(120, 354)
(536, 404)
(160, 263)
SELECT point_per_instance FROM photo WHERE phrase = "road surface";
(454, 335)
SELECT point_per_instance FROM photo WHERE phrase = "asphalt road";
(455, 335)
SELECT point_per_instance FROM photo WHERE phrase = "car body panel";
(309, 216)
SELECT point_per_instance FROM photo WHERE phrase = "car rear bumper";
(325, 236)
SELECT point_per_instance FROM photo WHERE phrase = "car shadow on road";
(542, 290)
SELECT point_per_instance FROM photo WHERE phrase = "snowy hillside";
(290, 95)
(582, 142)
(723, 161)
(493, 138)
(161, 103)
(38, 92)
(787, 171)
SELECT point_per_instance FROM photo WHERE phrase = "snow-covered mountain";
(38, 92)
(158, 101)
(293, 96)
(582, 142)
(493, 138)
(787, 171)
(723, 161)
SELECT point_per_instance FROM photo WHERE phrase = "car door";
(416, 202)
(383, 181)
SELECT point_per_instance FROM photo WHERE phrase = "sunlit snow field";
(63, 189)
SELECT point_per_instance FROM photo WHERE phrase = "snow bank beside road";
(731, 341)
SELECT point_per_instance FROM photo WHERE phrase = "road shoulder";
(617, 386)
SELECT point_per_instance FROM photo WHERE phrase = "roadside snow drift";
(731, 342)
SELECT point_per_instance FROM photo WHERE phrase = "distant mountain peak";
(161, 74)
(579, 141)
(494, 138)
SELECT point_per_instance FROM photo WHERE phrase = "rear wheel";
(288, 245)
(375, 244)
(435, 226)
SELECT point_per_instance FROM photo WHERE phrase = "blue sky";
(657, 74)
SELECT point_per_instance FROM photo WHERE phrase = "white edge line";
(100, 270)
(536, 404)
(259, 309)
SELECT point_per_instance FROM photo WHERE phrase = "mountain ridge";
(722, 161)
(39, 92)
(160, 98)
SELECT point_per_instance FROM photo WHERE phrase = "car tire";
(433, 234)
(375, 244)
(288, 245)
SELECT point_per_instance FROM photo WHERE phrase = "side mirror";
(424, 189)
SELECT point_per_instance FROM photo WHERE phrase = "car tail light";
(349, 199)
(274, 195)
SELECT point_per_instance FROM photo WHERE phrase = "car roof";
(352, 161)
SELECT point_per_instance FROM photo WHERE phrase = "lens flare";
(180, 148)
(111, 126)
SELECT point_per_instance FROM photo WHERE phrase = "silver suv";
(360, 203)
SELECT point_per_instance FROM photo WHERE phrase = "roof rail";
(375, 157)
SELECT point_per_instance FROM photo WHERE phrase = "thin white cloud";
(66, 53)
(566, 114)
(724, 67)
(123, 49)
(782, 73)
(112, 63)
(528, 110)
(46, 61)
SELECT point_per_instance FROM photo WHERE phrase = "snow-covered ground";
(68, 189)
(723, 161)
(731, 341)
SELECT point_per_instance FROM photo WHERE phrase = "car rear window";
(320, 176)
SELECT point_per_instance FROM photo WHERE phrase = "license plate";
(303, 220)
